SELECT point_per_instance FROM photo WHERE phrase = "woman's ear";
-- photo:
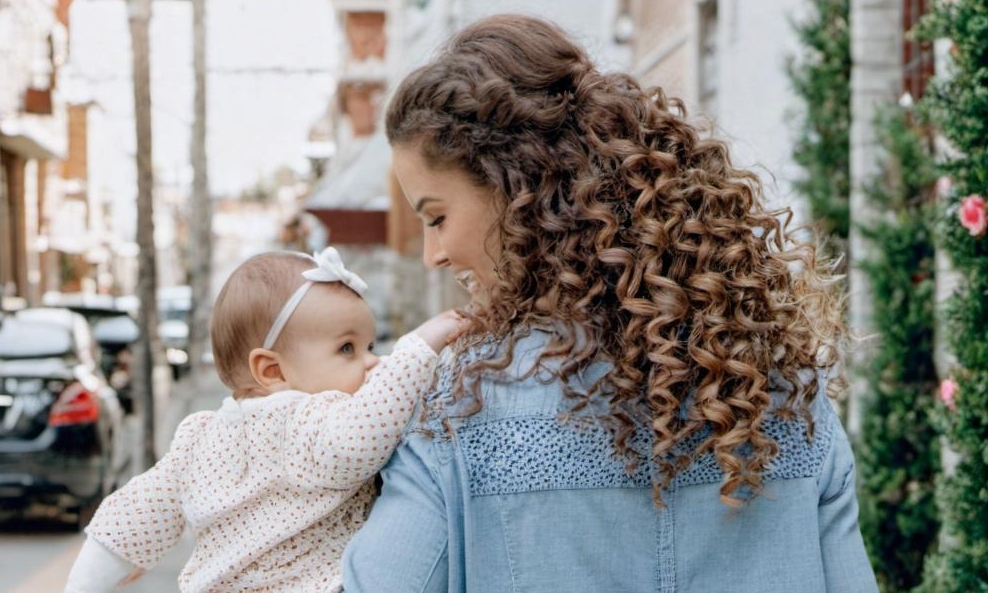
(265, 367)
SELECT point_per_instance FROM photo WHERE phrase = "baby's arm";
(97, 570)
(346, 439)
(141, 521)
(350, 438)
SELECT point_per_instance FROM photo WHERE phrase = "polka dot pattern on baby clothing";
(273, 488)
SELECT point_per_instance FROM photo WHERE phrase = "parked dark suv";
(62, 437)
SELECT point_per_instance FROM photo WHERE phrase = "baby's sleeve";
(142, 520)
(340, 441)
(97, 570)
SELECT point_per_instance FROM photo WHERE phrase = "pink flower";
(948, 388)
(973, 216)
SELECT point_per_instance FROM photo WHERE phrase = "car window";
(120, 329)
(173, 314)
(25, 339)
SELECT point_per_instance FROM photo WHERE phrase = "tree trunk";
(200, 271)
(3, 222)
(139, 13)
(876, 80)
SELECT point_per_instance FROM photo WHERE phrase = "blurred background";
(150, 146)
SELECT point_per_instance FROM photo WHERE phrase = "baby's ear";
(265, 367)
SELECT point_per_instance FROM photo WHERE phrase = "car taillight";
(75, 405)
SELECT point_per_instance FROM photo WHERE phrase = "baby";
(277, 480)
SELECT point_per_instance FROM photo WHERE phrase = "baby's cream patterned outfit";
(272, 487)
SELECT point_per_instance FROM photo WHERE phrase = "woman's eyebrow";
(422, 202)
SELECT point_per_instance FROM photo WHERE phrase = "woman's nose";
(433, 255)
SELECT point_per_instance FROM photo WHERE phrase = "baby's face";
(331, 337)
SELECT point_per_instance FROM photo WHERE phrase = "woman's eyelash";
(438, 221)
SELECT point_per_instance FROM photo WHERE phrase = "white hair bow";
(329, 268)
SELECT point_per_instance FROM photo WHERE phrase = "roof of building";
(357, 178)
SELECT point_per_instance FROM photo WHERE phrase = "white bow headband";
(329, 268)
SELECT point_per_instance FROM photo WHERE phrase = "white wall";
(756, 106)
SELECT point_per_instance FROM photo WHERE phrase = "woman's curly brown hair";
(621, 224)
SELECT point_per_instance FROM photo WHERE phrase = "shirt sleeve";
(343, 440)
(142, 520)
(404, 545)
(845, 562)
(97, 570)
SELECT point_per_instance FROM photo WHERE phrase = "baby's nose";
(372, 360)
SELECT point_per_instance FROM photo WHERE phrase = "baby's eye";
(370, 347)
(347, 348)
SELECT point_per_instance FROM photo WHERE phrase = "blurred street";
(36, 552)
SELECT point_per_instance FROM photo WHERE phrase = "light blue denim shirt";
(515, 500)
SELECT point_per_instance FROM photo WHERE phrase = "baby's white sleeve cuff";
(97, 569)
(413, 342)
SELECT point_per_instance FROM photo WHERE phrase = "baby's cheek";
(359, 376)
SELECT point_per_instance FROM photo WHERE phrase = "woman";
(640, 403)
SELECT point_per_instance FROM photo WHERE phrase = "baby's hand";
(133, 576)
(441, 329)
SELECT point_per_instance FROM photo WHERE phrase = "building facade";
(33, 137)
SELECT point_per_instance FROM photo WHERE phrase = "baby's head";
(326, 343)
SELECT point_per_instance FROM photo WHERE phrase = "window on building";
(366, 34)
(708, 57)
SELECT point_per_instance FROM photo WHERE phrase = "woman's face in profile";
(457, 216)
